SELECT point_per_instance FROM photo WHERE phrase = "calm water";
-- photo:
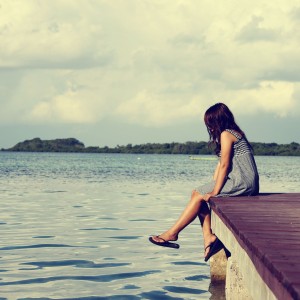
(76, 226)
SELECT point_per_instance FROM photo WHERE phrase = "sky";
(118, 72)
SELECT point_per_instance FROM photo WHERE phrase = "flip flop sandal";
(164, 243)
(214, 248)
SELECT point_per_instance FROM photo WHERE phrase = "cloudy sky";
(111, 72)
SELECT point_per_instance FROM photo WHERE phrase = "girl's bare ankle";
(209, 237)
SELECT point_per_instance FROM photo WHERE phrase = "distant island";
(190, 148)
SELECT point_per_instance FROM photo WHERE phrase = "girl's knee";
(196, 196)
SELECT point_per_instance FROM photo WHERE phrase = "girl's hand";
(207, 196)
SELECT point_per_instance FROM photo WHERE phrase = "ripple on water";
(142, 220)
(197, 278)
(158, 295)
(102, 228)
(3, 271)
(36, 246)
(75, 263)
(115, 297)
(95, 278)
(130, 287)
(188, 263)
(183, 290)
(53, 191)
(128, 237)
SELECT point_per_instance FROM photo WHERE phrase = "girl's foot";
(165, 237)
(214, 248)
(208, 240)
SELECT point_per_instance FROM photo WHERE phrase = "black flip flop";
(214, 248)
(164, 243)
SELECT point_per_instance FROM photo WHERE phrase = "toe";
(158, 239)
(207, 249)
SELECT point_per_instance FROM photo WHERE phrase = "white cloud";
(254, 31)
(146, 62)
(42, 35)
(152, 109)
(264, 99)
(67, 108)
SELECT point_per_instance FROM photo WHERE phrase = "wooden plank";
(267, 226)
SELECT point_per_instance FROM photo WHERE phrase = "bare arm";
(216, 171)
(227, 140)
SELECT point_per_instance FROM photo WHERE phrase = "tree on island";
(190, 148)
(58, 145)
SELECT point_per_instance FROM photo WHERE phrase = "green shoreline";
(190, 148)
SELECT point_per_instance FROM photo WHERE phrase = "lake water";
(76, 226)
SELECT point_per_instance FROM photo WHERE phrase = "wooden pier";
(263, 235)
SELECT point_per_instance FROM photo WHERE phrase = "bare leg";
(205, 220)
(191, 211)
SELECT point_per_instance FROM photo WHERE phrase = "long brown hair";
(218, 118)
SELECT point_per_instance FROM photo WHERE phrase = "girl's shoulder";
(235, 133)
(228, 137)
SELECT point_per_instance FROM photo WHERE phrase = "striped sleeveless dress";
(242, 178)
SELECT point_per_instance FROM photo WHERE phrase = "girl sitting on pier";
(235, 174)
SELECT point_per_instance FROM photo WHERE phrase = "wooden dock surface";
(267, 227)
